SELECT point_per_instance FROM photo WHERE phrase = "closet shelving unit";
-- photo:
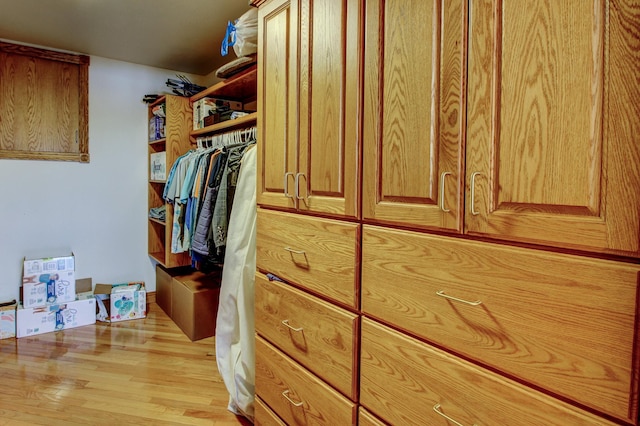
(178, 123)
(241, 87)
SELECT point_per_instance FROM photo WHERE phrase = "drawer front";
(263, 416)
(294, 394)
(561, 322)
(317, 254)
(405, 381)
(318, 335)
(365, 418)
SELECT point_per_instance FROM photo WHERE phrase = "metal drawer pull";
(436, 408)
(441, 293)
(294, 251)
(286, 396)
(286, 323)
(286, 184)
(473, 193)
(442, 177)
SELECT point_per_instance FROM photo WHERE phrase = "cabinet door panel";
(547, 153)
(413, 112)
(277, 97)
(328, 178)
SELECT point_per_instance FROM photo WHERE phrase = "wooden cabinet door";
(552, 150)
(328, 179)
(277, 97)
(414, 112)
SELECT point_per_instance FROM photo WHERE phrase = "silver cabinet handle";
(443, 175)
(286, 184)
(441, 293)
(473, 193)
(286, 396)
(436, 408)
(286, 323)
(289, 249)
(298, 186)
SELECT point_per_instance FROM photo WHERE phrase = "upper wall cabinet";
(44, 105)
(413, 113)
(542, 97)
(309, 91)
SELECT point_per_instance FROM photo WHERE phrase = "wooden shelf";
(158, 141)
(158, 181)
(228, 124)
(161, 222)
(241, 86)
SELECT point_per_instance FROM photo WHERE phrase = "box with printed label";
(46, 319)
(120, 302)
(158, 166)
(48, 280)
(8, 320)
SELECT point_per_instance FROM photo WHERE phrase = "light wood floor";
(140, 372)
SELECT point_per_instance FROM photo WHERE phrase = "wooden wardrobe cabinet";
(489, 273)
(309, 86)
(538, 96)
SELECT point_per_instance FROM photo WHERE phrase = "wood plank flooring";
(140, 372)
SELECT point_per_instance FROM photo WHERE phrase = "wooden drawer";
(365, 418)
(564, 323)
(402, 380)
(320, 336)
(294, 394)
(263, 416)
(317, 254)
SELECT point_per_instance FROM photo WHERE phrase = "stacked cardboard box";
(49, 300)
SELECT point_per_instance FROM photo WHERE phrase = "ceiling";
(178, 35)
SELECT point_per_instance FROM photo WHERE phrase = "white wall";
(97, 210)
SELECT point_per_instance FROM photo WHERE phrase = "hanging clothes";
(235, 325)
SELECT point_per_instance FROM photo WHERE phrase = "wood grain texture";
(277, 103)
(309, 106)
(265, 416)
(413, 113)
(563, 323)
(320, 404)
(43, 104)
(402, 379)
(555, 149)
(365, 418)
(143, 372)
(178, 124)
(316, 254)
(327, 342)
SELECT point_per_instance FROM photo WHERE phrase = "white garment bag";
(235, 325)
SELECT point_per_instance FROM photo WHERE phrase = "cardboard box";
(84, 289)
(194, 304)
(120, 302)
(46, 319)
(48, 281)
(163, 289)
(8, 320)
